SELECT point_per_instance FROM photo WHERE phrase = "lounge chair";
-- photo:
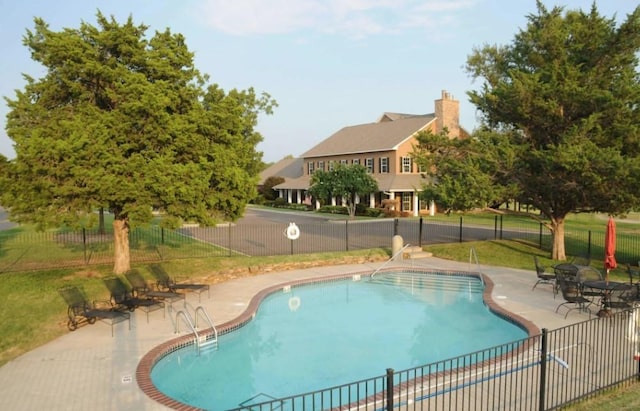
(79, 310)
(165, 282)
(544, 277)
(122, 298)
(571, 291)
(142, 289)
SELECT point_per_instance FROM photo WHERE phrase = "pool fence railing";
(542, 372)
(24, 250)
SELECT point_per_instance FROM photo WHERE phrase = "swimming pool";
(302, 338)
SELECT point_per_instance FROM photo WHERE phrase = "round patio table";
(606, 287)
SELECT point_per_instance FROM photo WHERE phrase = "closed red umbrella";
(610, 247)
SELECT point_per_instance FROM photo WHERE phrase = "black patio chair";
(581, 260)
(166, 282)
(142, 289)
(571, 291)
(588, 273)
(623, 297)
(79, 310)
(634, 274)
(544, 277)
(123, 298)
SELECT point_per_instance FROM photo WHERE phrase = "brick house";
(383, 147)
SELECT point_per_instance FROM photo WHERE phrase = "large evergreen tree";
(127, 123)
(566, 92)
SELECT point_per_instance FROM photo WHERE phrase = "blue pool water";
(319, 336)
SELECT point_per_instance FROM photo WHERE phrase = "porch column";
(289, 191)
(416, 205)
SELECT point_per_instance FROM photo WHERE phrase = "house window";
(406, 201)
(368, 163)
(343, 162)
(310, 167)
(330, 165)
(384, 164)
(406, 164)
(356, 161)
(321, 165)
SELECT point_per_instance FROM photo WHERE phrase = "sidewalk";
(90, 369)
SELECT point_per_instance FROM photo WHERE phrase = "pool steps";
(447, 282)
(415, 252)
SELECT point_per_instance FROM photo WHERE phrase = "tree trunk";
(122, 258)
(557, 230)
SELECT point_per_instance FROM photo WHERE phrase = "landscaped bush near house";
(365, 211)
(331, 209)
(361, 210)
(282, 203)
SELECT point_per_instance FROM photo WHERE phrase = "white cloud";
(353, 18)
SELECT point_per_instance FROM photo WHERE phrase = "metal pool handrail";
(389, 260)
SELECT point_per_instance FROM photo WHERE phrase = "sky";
(328, 63)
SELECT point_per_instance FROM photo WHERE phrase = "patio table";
(605, 287)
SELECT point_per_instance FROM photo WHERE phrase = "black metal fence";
(21, 251)
(542, 372)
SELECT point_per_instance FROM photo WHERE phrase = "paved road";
(262, 232)
(5, 224)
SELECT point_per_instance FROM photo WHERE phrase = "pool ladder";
(200, 340)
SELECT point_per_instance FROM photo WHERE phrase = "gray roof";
(372, 137)
(399, 182)
(386, 182)
(287, 167)
(300, 183)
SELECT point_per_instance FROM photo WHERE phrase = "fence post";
(589, 245)
(229, 239)
(543, 370)
(162, 235)
(346, 234)
(540, 237)
(420, 234)
(495, 227)
(501, 227)
(84, 245)
(395, 226)
(389, 389)
(460, 234)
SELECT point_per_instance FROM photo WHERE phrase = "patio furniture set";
(583, 286)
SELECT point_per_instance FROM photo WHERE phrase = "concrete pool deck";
(90, 369)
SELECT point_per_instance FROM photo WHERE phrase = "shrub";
(329, 209)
